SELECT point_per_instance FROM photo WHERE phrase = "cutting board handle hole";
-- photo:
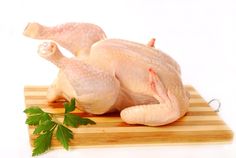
(215, 103)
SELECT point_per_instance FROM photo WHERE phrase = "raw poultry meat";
(76, 37)
(138, 80)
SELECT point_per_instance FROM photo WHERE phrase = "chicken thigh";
(95, 90)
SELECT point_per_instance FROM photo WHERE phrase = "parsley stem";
(54, 127)
(58, 114)
(54, 119)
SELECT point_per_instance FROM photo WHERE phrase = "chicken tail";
(151, 43)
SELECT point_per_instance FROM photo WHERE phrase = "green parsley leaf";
(45, 117)
(44, 127)
(70, 120)
(36, 115)
(75, 121)
(69, 107)
(86, 121)
(42, 143)
(33, 110)
(64, 135)
(33, 120)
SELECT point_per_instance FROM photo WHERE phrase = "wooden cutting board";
(200, 125)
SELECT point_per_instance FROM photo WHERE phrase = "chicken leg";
(154, 114)
(95, 90)
(76, 37)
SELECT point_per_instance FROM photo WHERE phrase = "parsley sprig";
(46, 123)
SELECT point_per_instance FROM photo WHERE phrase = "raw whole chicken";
(107, 75)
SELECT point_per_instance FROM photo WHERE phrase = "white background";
(200, 35)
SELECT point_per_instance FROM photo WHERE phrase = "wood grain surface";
(201, 125)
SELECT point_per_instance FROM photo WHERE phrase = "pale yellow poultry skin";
(111, 74)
